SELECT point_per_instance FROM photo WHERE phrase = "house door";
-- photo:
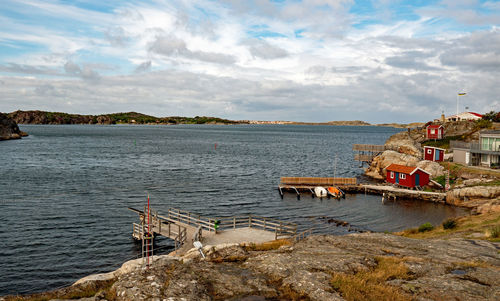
(417, 179)
(397, 178)
(436, 155)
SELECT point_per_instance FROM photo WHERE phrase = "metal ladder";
(147, 247)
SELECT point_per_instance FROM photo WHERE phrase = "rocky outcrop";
(403, 143)
(323, 267)
(378, 165)
(9, 128)
(431, 167)
(467, 195)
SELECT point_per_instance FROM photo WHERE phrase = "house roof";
(477, 114)
(434, 126)
(404, 169)
(434, 147)
(400, 168)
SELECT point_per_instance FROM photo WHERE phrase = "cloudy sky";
(309, 60)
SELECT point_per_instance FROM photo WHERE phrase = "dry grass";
(465, 227)
(267, 246)
(371, 284)
(457, 169)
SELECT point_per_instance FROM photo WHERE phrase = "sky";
(310, 60)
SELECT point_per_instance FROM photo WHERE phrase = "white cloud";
(298, 60)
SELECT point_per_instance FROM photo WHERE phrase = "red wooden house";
(435, 131)
(432, 153)
(408, 176)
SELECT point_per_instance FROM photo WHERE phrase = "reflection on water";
(65, 189)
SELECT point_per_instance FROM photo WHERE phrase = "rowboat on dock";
(320, 192)
(334, 192)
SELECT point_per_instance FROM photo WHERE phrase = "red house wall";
(410, 180)
(431, 156)
(424, 178)
(438, 133)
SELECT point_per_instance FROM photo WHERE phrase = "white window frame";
(392, 175)
(433, 131)
(402, 176)
(429, 151)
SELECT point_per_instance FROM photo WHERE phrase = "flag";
(461, 94)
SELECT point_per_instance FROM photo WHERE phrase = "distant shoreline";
(58, 118)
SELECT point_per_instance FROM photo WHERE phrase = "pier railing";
(368, 147)
(314, 181)
(191, 219)
(280, 228)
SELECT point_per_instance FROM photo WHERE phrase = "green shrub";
(450, 224)
(483, 124)
(495, 231)
(425, 227)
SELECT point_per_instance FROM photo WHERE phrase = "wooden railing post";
(250, 221)
(234, 222)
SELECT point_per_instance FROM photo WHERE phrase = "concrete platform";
(238, 235)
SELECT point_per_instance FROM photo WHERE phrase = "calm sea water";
(64, 190)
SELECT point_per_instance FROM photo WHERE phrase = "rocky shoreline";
(477, 191)
(9, 129)
(366, 266)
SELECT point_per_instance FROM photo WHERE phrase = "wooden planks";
(315, 181)
(368, 147)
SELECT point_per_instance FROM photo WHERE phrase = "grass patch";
(450, 223)
(494, 232)
(465, 227)
(443, 143)
(425, 227)
(267, 246)
(371, 284)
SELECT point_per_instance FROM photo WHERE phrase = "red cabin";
(435, 131)
(432, 153)
(407, 176)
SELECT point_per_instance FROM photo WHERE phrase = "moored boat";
(320, 192)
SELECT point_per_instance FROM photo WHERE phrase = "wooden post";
(234, 222)
(264, 223)
(250, 221)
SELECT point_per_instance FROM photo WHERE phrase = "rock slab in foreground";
(454, 269)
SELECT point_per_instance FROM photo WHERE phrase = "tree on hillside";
(492, 116)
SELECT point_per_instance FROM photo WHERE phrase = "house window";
(402, 176)
(429, 151)
(392, 174)
(433, 131)
(485, 145)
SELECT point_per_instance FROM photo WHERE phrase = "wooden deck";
(307, 184)
(366, 152)
(182, 227)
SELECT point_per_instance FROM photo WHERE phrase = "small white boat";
(320, 192)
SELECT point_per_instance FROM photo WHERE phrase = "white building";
(464, 116)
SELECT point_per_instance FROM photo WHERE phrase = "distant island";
(43, 117)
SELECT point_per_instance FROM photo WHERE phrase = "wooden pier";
(184, 226)
(366, 152)
(307, 184)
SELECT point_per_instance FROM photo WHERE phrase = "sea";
(65, 189)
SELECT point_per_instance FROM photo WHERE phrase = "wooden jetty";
(366, 152)
(307, 184)
(184, 226)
